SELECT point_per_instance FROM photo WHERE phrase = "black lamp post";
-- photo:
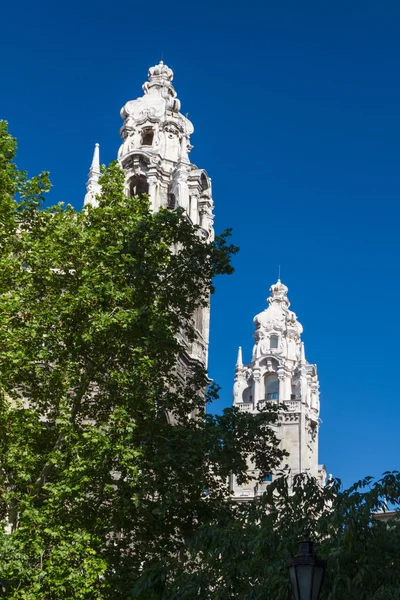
(306, 571)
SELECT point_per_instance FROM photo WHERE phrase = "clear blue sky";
(296, 114)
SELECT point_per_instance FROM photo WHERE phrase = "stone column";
(182, 187)
(152, 181)
(184, 148)
(194, 208)
(284, 385)
(206, 215)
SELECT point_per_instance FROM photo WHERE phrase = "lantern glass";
(305, 580)
(317, 577)
(293, 582)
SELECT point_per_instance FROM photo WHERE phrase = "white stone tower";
(155, 157)
(280, 373)
(155, 151)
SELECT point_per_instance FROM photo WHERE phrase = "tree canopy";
(245, 556)
(114, 479)
(97, 485)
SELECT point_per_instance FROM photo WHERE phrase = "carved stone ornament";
(281, 374)
(289, 417)
(256, 374)
(171, 129)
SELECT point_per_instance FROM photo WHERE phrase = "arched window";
(204, 182)
(272, 387)
(138, 185)
(273, 341)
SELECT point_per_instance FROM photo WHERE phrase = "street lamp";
(306, 571)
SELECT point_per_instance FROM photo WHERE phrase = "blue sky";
(296, 114)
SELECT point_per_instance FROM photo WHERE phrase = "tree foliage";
(101, 495)
(95, 308)
(245, 556)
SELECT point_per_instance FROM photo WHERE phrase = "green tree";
(101, 495)
(245, 556)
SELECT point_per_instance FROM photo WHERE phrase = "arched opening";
(272, 387)
(171, 201)
(247, 395)
(138, 185)
(273, 341)
(204, 182)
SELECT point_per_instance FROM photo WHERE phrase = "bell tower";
(154, 155)
(279, 373)
(155, 151)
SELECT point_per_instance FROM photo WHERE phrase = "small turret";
(92, 187)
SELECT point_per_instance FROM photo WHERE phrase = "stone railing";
(246, 407)
(292, 405)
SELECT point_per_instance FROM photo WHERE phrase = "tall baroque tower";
(154, 155)
(279, 373)
(155, 151)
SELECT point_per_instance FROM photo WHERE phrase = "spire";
(96, 158)
(239, 362)
(92, 187)
(302, 354)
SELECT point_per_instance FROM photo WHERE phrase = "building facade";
(279, 373)
(154, 155)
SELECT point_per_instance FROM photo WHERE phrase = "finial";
(279, 273)
(239, 362)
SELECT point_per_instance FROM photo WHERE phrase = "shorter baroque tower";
(154, 155)
(279, 373)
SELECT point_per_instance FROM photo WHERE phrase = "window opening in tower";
(272, 387)
(147, 137)
(273, 341)
(139, 185)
